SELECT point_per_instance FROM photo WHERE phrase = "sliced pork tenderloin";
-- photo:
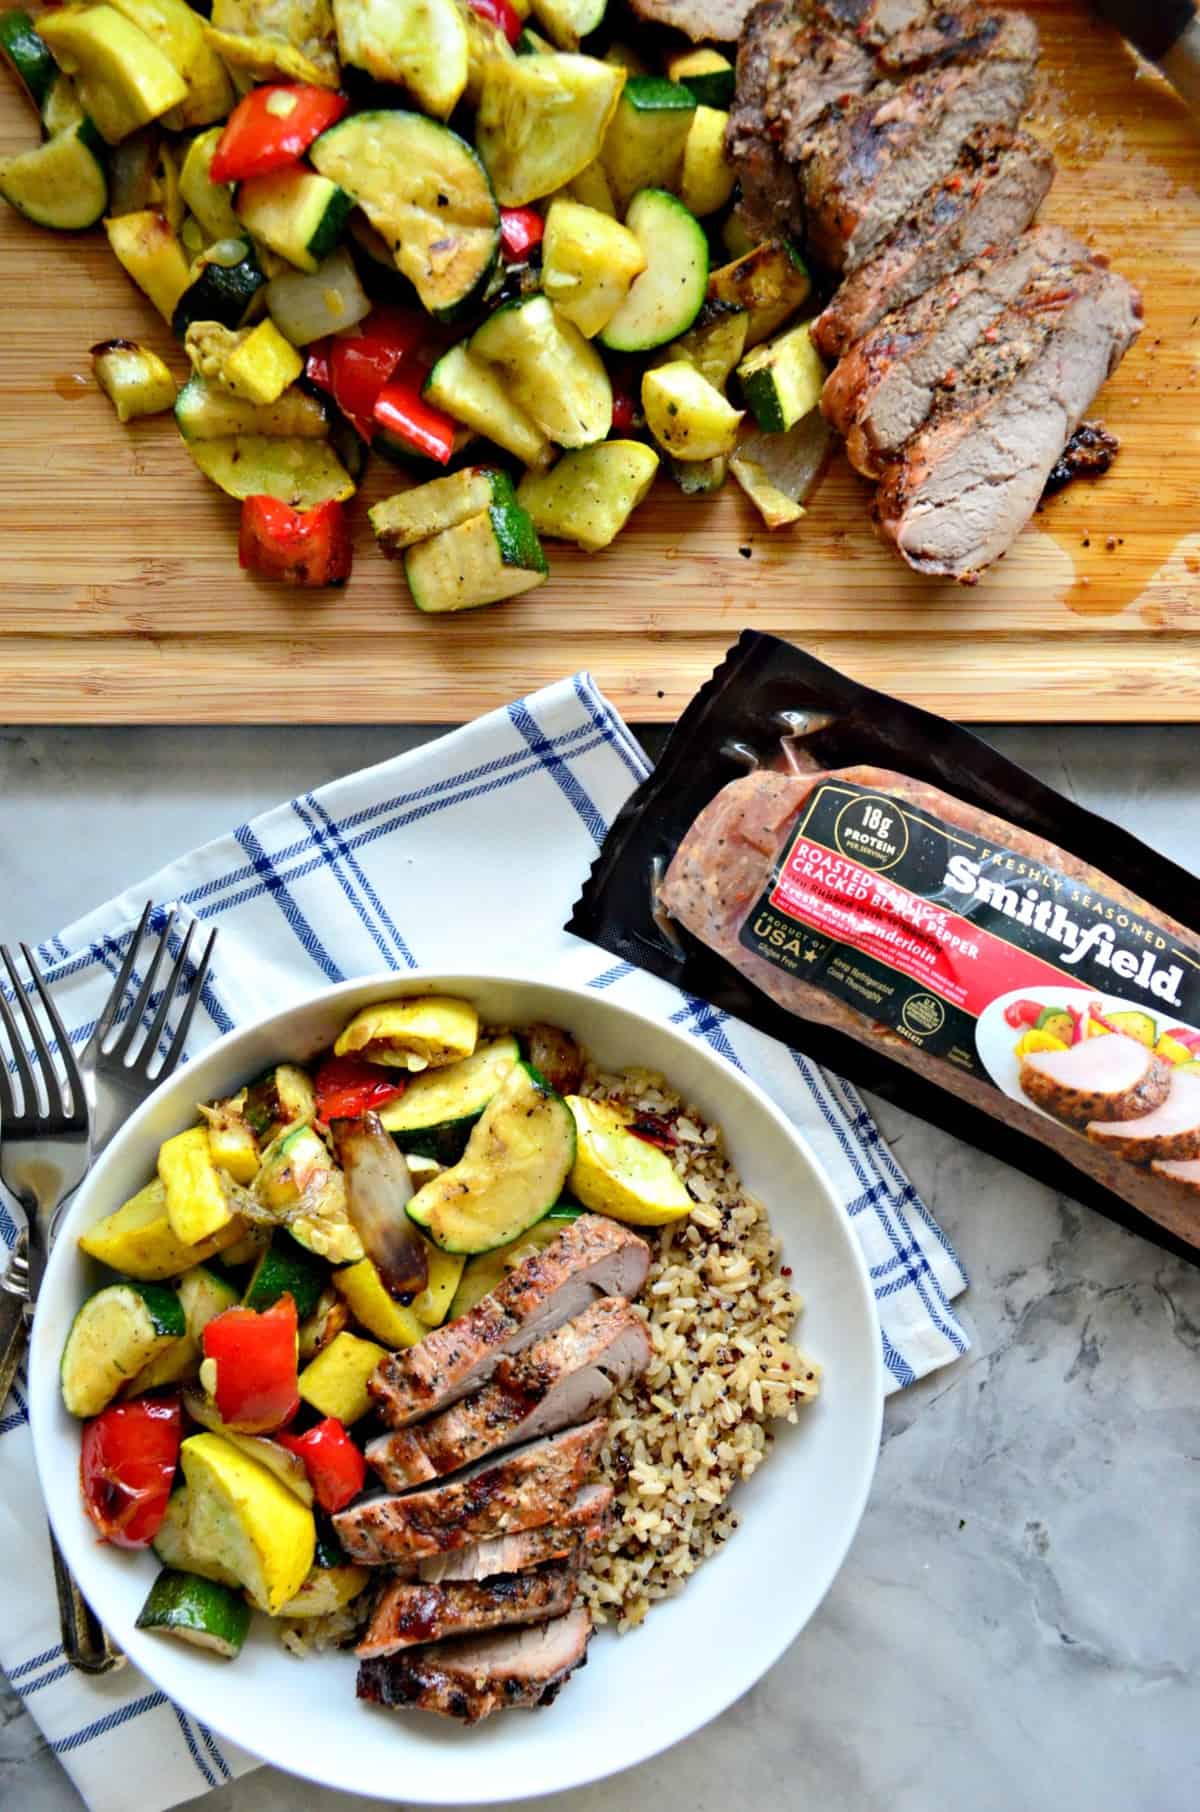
(718, 21)
(561, 1379)
(476, 1676)
(408, 1613)
(1170, 1132)
(887, 385)
(991, 195)
(947, 34)
(1184, 1171)
(591, 1257)
(872, 21)
(527, 1488)
(771, 203)
(965, 485)
(871, 163)
(1113, 1077)
(811, 71)
(584, 1526)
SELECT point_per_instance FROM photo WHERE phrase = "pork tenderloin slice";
(584, 1527)
(871, 165)
(1184, 1171)
(771, 203)
(989, 198)
(811, 71)
(886, 386)
(702, 21)
(408, 1613)
(945, 35)
(591, 1257)
(723, 865)
(873, 21)
(1171, 1130)
(562, 1378)
(1117, 1082)
(471, 1678)
(969, 480)
(532, 1486)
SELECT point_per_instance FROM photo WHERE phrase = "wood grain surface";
(122, 600)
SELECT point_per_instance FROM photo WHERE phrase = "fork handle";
(86, 1644)
(14, 1336)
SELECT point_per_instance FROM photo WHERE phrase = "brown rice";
(721, 1313)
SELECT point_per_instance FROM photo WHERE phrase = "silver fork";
(45, 1151)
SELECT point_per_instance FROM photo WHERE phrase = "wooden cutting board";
(123, 603)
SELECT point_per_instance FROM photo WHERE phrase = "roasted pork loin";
(476, 1676)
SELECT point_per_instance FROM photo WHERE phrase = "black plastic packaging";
(769, 695)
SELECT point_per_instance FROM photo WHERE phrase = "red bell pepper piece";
(336, 1469)
(360, 364)
(1099, 1018)
(1022, 1012)
(1183, 1035)
(302, 547)
(403, 411)
(521, 229)
(500, 14)
(126, 1466)
(316, 365)
(271, 127)
(349, 1086)
(255, 1356)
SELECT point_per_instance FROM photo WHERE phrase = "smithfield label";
(920, 925)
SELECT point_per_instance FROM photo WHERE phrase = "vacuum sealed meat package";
(881, 889)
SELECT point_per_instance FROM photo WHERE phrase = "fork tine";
(8, 1100)
(175, 1051)
(124, 1042)
(53, 1088)
(168, 994)
(74, 1079)
(103, 1025)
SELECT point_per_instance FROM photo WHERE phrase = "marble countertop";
(1015, 1625)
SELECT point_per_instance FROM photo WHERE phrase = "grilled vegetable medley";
(508, 264)
(297, 1234)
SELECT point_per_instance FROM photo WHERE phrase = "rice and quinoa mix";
(721, 1311)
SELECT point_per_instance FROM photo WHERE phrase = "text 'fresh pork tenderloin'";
(562, 1378)
(592, 1257)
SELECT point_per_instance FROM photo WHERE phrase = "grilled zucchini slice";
(427, 192)
(643, 148)
(541, 120)
(490, 557)
(590, 494)
(206, 411)
(421, 45)
(510, 1175)
(116, 1333)
(555, 375)
(668, 295)
(298, 214)
(468, 389)
(59, 184)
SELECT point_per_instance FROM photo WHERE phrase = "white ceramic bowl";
(639, 1693)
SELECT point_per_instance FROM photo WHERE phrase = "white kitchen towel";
(466, 853)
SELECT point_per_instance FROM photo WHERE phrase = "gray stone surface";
(1015, 1626)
